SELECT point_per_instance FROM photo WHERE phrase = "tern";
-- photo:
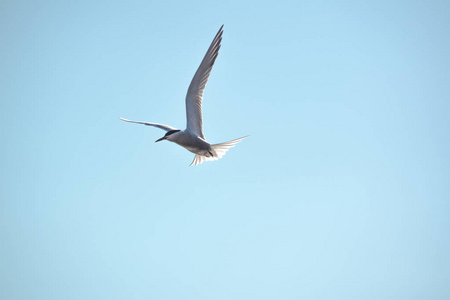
(192, 137)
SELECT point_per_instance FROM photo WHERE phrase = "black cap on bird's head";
(168, 133)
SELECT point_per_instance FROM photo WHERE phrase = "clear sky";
(341, 191)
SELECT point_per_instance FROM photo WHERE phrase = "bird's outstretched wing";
(160, 126)
(195, 92)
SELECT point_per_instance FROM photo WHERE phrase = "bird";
(192, 137)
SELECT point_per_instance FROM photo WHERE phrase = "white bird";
(192, 137)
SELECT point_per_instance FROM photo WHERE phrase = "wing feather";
(160, 126)
(195, 92)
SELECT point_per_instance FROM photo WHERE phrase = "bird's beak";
(161, 139)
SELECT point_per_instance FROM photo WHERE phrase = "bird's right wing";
(195, 92)
(160, 126)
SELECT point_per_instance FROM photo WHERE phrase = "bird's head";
(167, 135)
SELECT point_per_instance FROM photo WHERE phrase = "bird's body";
(191, 142)
(192, 137)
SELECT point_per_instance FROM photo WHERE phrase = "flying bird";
(192, 137)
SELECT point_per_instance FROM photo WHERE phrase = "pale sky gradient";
(341, 191)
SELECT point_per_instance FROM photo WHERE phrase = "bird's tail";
(219, 151)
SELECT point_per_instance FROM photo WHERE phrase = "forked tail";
(219, 151)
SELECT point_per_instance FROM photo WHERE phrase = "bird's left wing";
(160, 126)
(195, 92)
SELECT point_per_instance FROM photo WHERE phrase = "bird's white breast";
(191, 142)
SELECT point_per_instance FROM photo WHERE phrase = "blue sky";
(340, 192)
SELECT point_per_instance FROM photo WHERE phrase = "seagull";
(192, 137)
